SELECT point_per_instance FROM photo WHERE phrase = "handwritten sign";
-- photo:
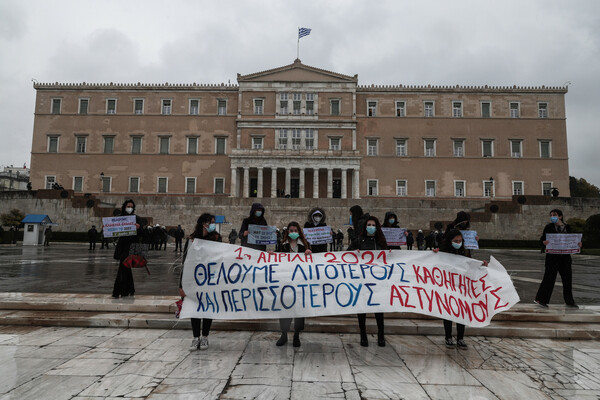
(318, 235)
(470, 241)
(394, 236)
(225, 281)
(563, 243)
(119, 226)
(262, 234)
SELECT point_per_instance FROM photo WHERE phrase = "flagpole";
(298, 45)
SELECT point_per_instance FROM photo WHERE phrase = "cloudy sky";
(508, 42)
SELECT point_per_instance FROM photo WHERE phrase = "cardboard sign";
(470, 241)
(318, 235)
(119, 226)
(262, 234)
(394, 236)
(563, 243)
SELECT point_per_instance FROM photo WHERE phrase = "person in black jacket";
(92, 236)
(316, 217)
(179, 235)
(391, 221)
(233, 236)
(293, 241)
(371, 238)
(409, 240)
(256, 217)
(420, 240)
(124, 281)
(206, 230)
(556, 263)
(358, 218)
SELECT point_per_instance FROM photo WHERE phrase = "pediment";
(297, 72)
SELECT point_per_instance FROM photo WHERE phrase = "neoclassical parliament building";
(300, 131)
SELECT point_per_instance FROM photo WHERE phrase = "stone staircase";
(93, 310)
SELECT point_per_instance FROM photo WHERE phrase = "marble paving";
(121, 363)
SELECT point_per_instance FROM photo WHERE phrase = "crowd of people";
(365, 233)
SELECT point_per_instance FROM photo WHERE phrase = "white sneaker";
(203, 343)
(195, 344)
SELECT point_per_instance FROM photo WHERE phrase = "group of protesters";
(367, 234)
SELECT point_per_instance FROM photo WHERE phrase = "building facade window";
(78, 184)
(106, 184)
(111, 106)
(221, 107)
(543, 110)
(84, 106)
(220, 145)
(401, 148)
(138, 106)
(192, 145)
(283, 139)
(514, 109)
(372, 187)
(371, 108)
(166, 106)
(259, 106)
(109, 144)
(257, 142)
(136, 145)
(372, 147)
(194, 106)
(430, 188)
(401, 189)
(400, 109)
(488, 188)
(428, 107)
(458, 147)
(487, 148)
(296, 139)
(516, 148)
(460, 188)
(335, 143)
(429, 145)
(297, 103)
(545, 149)
(457, 109)
(162, 184)
(309, 140)
(53, 144)
(546, 188)
(163, 145)
(190, 185)
(56, 106)
(283, 104)
(50, 180)
(517, 188)
(486, 109)
(80, 144)
(219, 185)
(134, 184)
(334, 106)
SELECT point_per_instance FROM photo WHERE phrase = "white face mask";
(129, 210)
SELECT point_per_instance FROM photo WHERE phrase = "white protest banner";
(119, 226)
(262, 234)
(470, 241)
(394, 236)
(224, 281)
(318, 235)
(563, 243)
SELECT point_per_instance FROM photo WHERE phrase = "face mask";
(391, 220)
(293, 235)
(211, 227)
(129, 210)
(350, 222)
(371, 230)
(554, 219)
(258, 213)
(456, 245)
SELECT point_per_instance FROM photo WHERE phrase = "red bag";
(136, 261)
(178, 303)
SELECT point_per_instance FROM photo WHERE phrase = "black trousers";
(178, 245)
(362, 319)
(123, 282)
(409, 247)
(460, 330)
(561, 264)
(205, 326)
(285, 324)
(93, 245)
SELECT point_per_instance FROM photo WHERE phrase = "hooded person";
(256, 217)
(358, 219)
(316, 217)
(391, 221)
(462, 222)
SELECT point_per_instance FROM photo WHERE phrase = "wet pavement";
(94, 363)
(72, 268)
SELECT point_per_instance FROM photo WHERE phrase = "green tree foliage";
(582, 188)
(12, 218)
(577, 224)
(591, 233)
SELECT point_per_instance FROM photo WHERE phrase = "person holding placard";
(293, 241)
(256, 217)
(371, 238)
(316, 217)
(391, 221)
(462, 222)
(556, 263)
(206, 230)
(124, 280)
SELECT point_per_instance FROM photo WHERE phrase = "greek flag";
(303, 32)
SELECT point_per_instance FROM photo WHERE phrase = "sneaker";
(574, 306)
(539, 303)
(460, 343)
(195, 344)
(203, 343)
(449, 343)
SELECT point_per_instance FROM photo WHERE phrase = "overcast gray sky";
(508, 42)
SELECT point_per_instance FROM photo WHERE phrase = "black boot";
(380, 339)
(296, 339)
(282, 340)
(364, 342)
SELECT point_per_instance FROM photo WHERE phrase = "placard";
(394, 236)
(318, 235)
(119, 226)
(563, 243)
(469, 239)
(262, 234)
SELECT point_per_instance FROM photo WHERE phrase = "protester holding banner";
(391, 221)
(257, 217)
(206, 230)
(316, 217)
(124, 281)
(293, 241)
(556, 263)
(371, 238)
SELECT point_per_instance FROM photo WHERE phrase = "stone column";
(316, 183)
(246, 182)
(301, 183)
(288, 180)
(233, 182)
(259, 184)
(356, 184)
(329, 183)
(273, 182)
(344, 183)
